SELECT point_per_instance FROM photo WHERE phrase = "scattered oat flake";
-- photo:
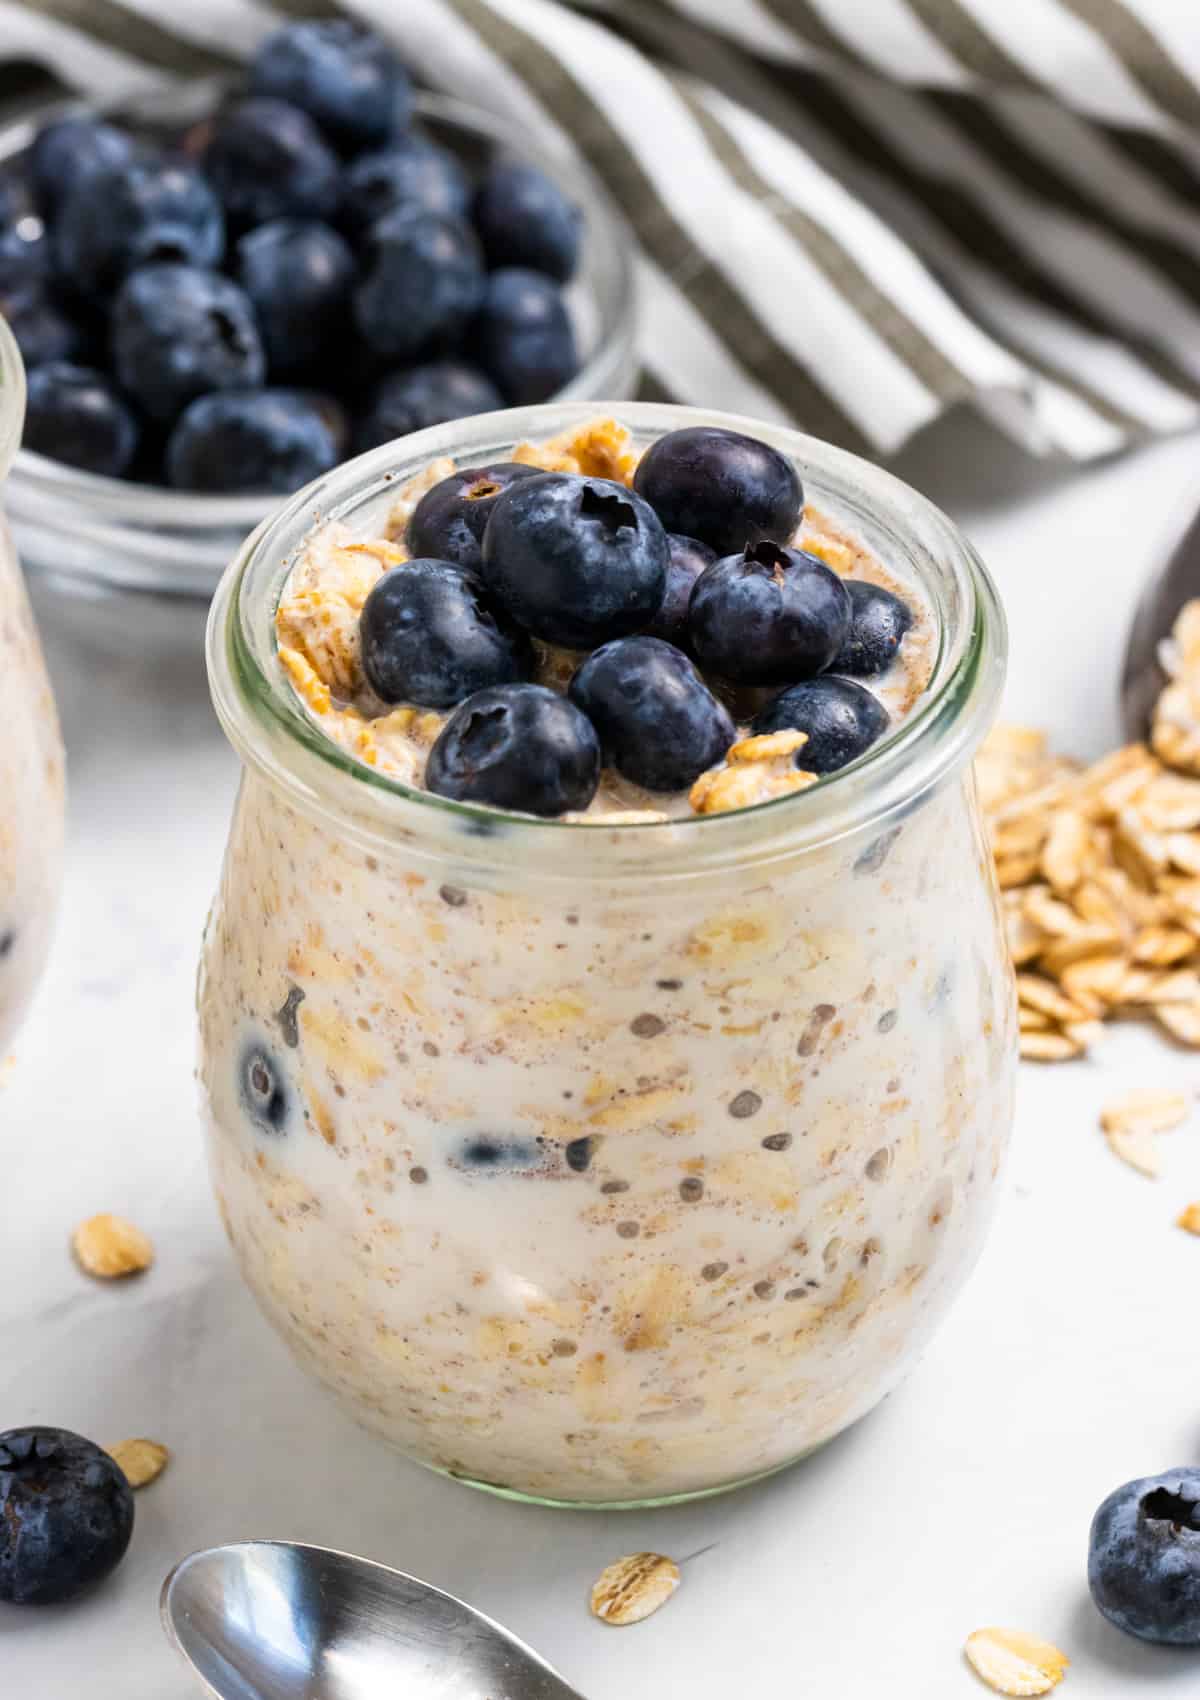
(141, 1461)
(634, 1587)
(109, 1247)
(1147, 1109)
(1012, 1662)
(1138, 1148)
(1189, 1219)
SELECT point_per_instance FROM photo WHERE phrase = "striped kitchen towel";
(851, 214)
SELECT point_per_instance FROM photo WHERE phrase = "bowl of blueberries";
(223, 290)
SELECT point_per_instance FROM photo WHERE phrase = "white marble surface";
(1068, 1366)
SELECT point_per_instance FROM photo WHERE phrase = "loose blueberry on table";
(1144, 1558)
(66, 1515)
(306, 236)
(519, 578)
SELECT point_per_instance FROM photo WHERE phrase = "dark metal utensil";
(1164, 596)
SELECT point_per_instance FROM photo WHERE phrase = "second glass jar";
(31, 755)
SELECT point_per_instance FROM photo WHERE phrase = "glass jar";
(601, 1164)
(31, 754)
(132, 567)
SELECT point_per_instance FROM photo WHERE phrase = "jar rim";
(12, 397)
(268, 725)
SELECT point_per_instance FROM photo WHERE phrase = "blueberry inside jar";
(587, 947)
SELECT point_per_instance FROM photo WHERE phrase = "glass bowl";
(129, 561)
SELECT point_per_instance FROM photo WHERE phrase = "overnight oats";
(31, 756)
(607, 1038)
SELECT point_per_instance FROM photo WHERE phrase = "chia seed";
(418, 1176)
(628, 1230)
(887, 1021)
(647, 1026)
(764, 1289)
(579, 1154)
(713, 1271)
(615, 1186)
(777, 1142)
(452, 895)
(745, 1105)
(691, 1189)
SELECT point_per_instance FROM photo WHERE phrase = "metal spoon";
(1174, 584)
(272, 1620)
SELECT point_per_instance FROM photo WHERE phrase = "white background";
(1068, 1365)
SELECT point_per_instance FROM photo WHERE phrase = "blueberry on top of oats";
(841, 720)
(659, 724)
(878, 622)
(450, 519)
(517, 747)
(725, 488)
(768, 616)
(430, 637)
(688, 560)
(576, 560)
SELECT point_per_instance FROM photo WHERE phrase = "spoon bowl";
(274, 1620)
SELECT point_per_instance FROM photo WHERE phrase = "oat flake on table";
(1013, 1662)
(140, 1461)
(110, 1247)
(633, 1588)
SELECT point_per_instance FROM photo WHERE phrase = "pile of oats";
(1099, 869)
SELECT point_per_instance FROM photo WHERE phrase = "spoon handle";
(1161, 601)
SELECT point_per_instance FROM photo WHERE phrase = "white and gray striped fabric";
(852, 214)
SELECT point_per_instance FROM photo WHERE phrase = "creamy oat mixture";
(603, 1190)
(317, 629)
(31, 790)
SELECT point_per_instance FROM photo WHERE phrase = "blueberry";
(517, 747)
(422, 396)
(332, 414)
(720, 486)
(263, 1093)
(24, 269)
(840, 716)
(145, 211)
(687, 561)
(493, 1153)
(449, 521)
(409, 175)
(66, 1515)
(428, 636)
(524, 219)
(298, 274)
(422, 280)
(522, 336)
(345, 77)
(575, 560)
(77, 415)
(1144, 1558)
(878, 622)
(43, 332)
(249, 442)
(71, 149)
(179, 332)
(659, 724)
(268, 160)
(768, 616)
